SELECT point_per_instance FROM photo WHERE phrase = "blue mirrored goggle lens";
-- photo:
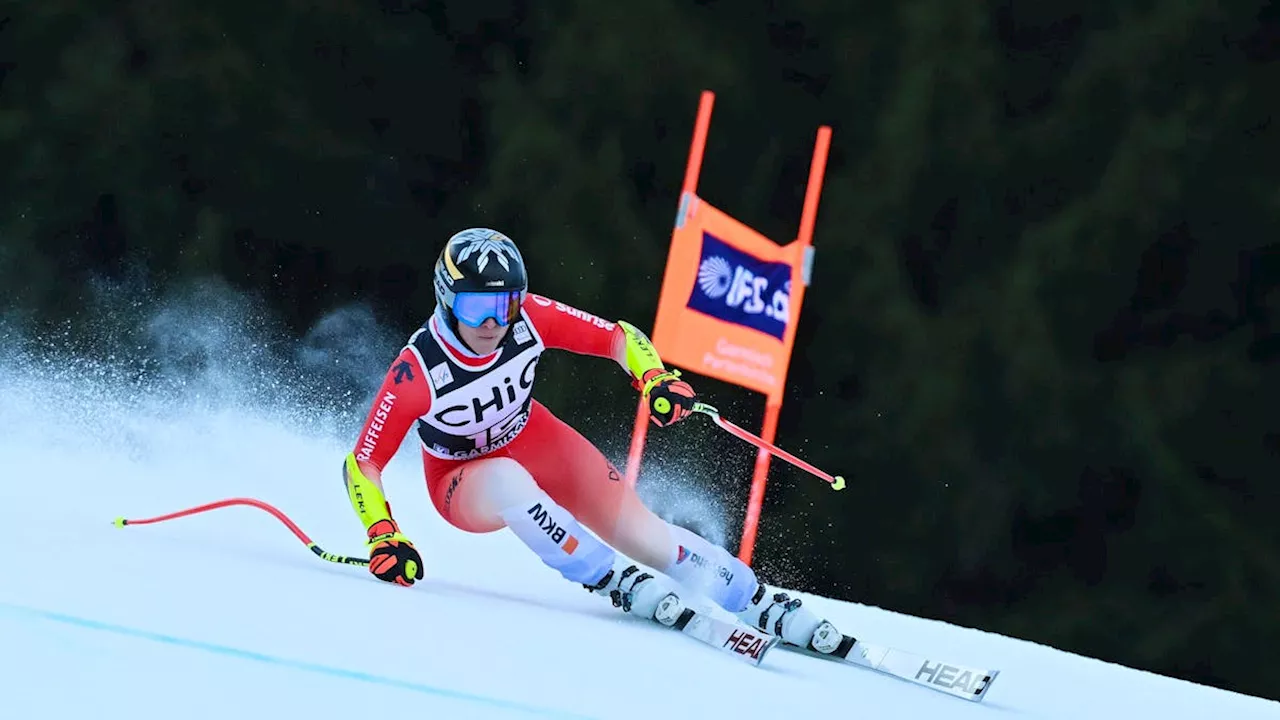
(473, 308)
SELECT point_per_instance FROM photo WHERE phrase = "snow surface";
(226, 615)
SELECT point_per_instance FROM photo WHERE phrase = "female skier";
(494, 457)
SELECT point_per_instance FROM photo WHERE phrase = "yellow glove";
(392, 558)
(670, 398)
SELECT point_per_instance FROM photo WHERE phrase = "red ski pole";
(297, 532)
(837, 482)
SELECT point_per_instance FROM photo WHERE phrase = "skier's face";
(484, 339)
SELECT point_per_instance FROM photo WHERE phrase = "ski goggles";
(473, 308)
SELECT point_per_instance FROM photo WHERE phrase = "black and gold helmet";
(480, 275)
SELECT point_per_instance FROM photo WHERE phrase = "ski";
(967, 683)
(734, 639)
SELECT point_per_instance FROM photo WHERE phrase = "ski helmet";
(480, 275)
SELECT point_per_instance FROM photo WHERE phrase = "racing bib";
(476, 410)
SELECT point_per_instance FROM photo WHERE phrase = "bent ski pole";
(341, 559)
(837, 482)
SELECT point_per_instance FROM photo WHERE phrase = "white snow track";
(226, 615)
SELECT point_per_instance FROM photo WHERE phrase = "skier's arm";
(568, 328)
(403, 398)
(563, 327)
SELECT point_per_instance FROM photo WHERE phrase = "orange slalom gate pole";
(701, 127)
(808, 218)
(755, 500)
(813, 191)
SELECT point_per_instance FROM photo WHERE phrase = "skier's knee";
(640, 534)
(710, 569)
(486, 488)
(507, 482)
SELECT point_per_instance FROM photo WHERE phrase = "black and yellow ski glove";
(392, 557)
(670, 398)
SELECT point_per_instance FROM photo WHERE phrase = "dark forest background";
(1042, 338)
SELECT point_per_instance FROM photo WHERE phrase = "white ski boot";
(651, 596)
(778, 614)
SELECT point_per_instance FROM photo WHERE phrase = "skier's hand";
(391, 556)
(670, 398)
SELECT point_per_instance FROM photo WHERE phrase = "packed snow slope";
(226, 615)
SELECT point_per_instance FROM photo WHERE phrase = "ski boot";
(631, 588)
(778, 614)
